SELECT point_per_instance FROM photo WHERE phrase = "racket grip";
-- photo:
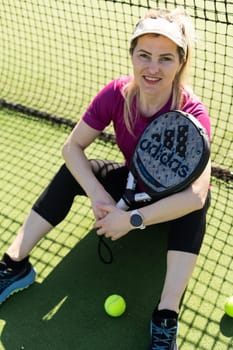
(130, 198)
(126, 200)
(121, 204)
(142, 197)
(130, 182)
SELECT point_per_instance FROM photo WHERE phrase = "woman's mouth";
(151, 80)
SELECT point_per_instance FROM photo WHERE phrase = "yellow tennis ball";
(229, 306)
(115, 305)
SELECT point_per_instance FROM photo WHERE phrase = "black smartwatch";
(136, 220)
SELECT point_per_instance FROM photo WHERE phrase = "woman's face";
(156, 63)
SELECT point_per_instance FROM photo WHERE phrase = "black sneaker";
(12, 281)
(163, 334)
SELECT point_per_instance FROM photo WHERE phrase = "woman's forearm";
(80, 168)
(170, 208)
(76, 161)
(179, 204)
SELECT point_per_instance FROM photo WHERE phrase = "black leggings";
(185, 234)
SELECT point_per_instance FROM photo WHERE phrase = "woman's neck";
(148, 106)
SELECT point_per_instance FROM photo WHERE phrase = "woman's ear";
(180, 68)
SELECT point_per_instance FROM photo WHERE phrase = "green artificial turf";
(64, 308)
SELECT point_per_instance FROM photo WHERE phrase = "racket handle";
(126, 200)
(121, 204)
(130, 198)
(142, 197)
(130, 182)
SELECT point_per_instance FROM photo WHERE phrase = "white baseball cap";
(161, 26)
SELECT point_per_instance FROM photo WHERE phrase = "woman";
(160, 52)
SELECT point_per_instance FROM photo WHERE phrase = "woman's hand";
(114, 224)
(100, 197)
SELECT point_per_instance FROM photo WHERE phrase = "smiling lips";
(150, 79)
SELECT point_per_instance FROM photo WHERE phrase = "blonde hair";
(130, 90)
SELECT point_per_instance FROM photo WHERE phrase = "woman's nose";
(153, 66)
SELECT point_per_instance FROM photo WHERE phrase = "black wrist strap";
(102, 244)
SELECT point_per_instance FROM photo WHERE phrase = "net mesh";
(55, 56)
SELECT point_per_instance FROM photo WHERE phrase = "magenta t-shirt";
(108, 107)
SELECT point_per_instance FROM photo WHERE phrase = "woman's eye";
(165, 59)
(143, 55)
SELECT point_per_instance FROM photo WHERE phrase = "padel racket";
(171, 153)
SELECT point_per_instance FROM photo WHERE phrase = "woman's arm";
(117, 223)
(79, 166)
(181, 203)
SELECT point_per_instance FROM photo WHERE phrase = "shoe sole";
(17, 286)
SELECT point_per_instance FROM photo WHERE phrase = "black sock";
(15, 265)
(164, 313)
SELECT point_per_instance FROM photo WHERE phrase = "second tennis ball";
(115, 305)
(229, 306)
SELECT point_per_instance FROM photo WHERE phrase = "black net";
(54, 57)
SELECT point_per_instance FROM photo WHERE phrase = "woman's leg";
(50, 209)
(180, 266)
(53, 205)
(184, 243)
(34, 228)
(164, 323)
(16, 272)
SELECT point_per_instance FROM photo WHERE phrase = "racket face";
(171, 153)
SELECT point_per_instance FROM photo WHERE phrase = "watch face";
(136, 220)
